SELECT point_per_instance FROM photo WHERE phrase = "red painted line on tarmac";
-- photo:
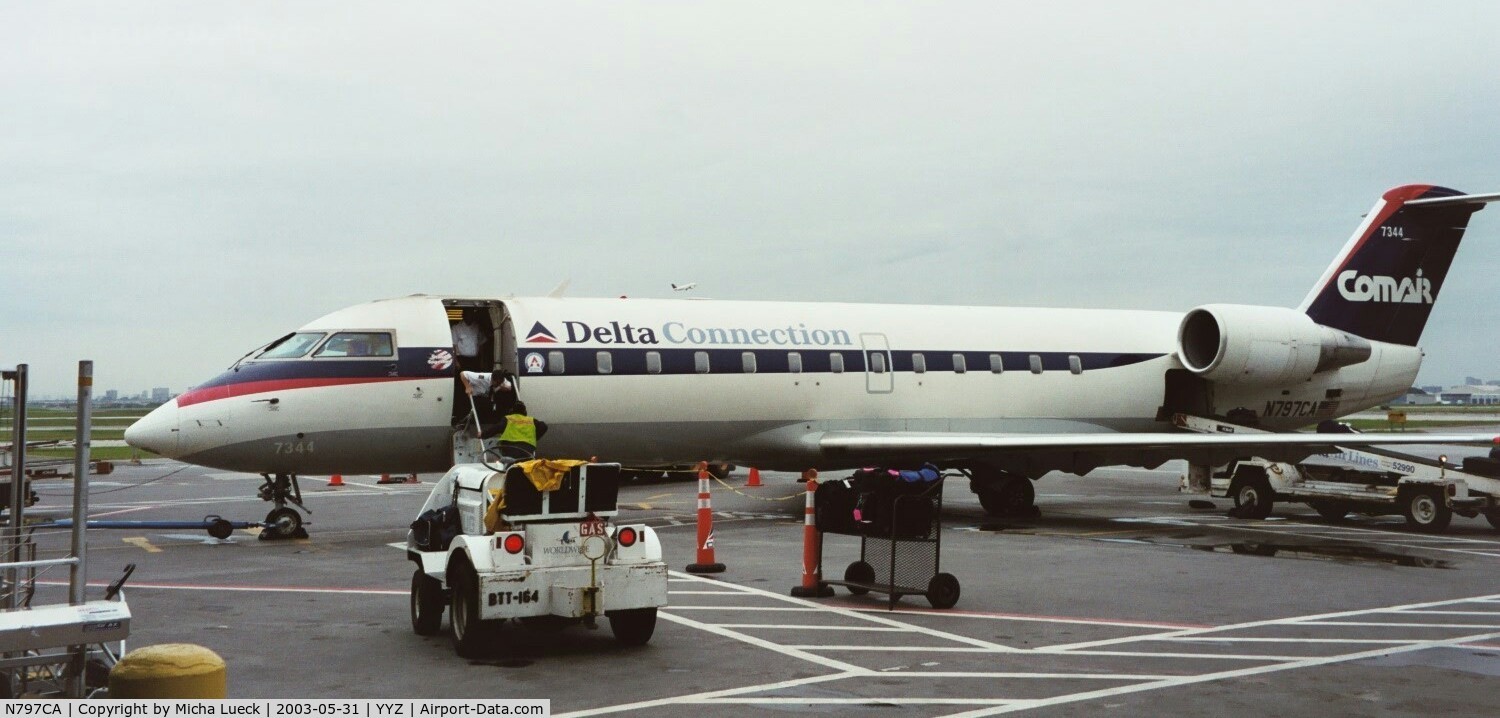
(1026, 616)
(265, 589)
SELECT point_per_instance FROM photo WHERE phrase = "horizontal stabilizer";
(1460, 199)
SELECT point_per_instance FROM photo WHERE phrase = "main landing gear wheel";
(283, 523)
(942, 590)
(859, 572)
(426, 604)
(1008, 496)
(1493, 516)
(634, 626)
(1426, 511)
(1253, 497)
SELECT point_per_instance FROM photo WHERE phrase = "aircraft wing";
(1080, 453)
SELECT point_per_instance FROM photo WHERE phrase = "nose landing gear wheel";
(283, 523)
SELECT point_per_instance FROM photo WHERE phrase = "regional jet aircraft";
(1006, 393)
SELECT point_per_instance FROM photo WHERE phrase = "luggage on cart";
(897, 515)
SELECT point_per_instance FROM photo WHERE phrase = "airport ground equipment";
(899, 525)
(489, 546)
(61, 650)
(1372, 481)
(216, 526)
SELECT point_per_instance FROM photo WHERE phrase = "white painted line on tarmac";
(841, 611)
(1025, 675)
(882, 701)
(117, 512)
(1239, 673)
(1270, 622)
(706, 696)
(1098, 654)
(794, 627)
(705, 593)
(1164, 654)
(729, 632)
(949, 613)
(1252, 639)
(1448, 613)
(742, 608)
(1382, 624)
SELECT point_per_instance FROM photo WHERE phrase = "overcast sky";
(185, 181)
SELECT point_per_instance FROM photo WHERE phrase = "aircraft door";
(879, 379)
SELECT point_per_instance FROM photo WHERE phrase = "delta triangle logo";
(541, 335)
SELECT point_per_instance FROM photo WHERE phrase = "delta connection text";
(678, 333)
(364, 708)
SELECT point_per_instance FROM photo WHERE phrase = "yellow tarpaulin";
(547, 474)
(492, 520)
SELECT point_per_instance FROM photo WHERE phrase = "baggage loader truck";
(1428, 492)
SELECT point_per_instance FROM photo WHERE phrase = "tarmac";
(1119, 597)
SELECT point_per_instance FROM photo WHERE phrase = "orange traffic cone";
(412, 479)
(336, 480)
(754, 481)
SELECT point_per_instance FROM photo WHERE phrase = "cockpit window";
(291, 346)
(357, 344)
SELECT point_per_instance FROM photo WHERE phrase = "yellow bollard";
(169, 670)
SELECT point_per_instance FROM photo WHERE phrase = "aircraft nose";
(156, 432)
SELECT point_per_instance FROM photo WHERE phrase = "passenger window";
(653, 362)
(555, 363)
(747, 362)
(997, 365)
(877, 362)
(1036, 363)
(794, 362)
(919, 363)
(1075, 364)
(700, 362)
(604, 362)
(291, 346)
(959, 366)
(836, 363)
(357, 344)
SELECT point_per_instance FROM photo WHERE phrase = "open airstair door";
(495, 352)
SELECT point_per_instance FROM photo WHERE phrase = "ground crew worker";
(519, 433)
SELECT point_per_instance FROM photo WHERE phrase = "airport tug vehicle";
(531, 540)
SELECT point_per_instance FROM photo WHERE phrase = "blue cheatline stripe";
(409, 363)
(635, 361)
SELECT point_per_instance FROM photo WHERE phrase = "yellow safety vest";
(519, 429)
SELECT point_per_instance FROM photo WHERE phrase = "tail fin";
(1384, 282)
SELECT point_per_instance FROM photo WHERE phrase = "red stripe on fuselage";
(198, 396)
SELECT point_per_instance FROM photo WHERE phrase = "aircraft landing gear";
(283, 522)
(1002, 493)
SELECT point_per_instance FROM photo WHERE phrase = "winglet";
(561, 287)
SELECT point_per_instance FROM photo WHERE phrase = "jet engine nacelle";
(1239, 344)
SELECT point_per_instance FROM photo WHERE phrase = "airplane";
(1004, 394)
(683, 287)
